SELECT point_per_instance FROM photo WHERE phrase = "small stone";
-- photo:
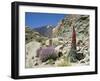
(87, 60)
(82, 62)
(36, 64)
(33, 57)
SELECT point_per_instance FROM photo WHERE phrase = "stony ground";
(32, 61)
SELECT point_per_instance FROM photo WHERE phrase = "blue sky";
(34, 20)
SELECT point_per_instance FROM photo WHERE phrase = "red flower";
(74, 36)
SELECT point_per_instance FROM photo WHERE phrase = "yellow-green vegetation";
(63, 61)
(50, 61)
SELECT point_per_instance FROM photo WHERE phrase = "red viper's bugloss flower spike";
(73, 53)
(74, 36)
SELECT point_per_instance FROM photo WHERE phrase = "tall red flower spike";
(74, 39)
(72, 53)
